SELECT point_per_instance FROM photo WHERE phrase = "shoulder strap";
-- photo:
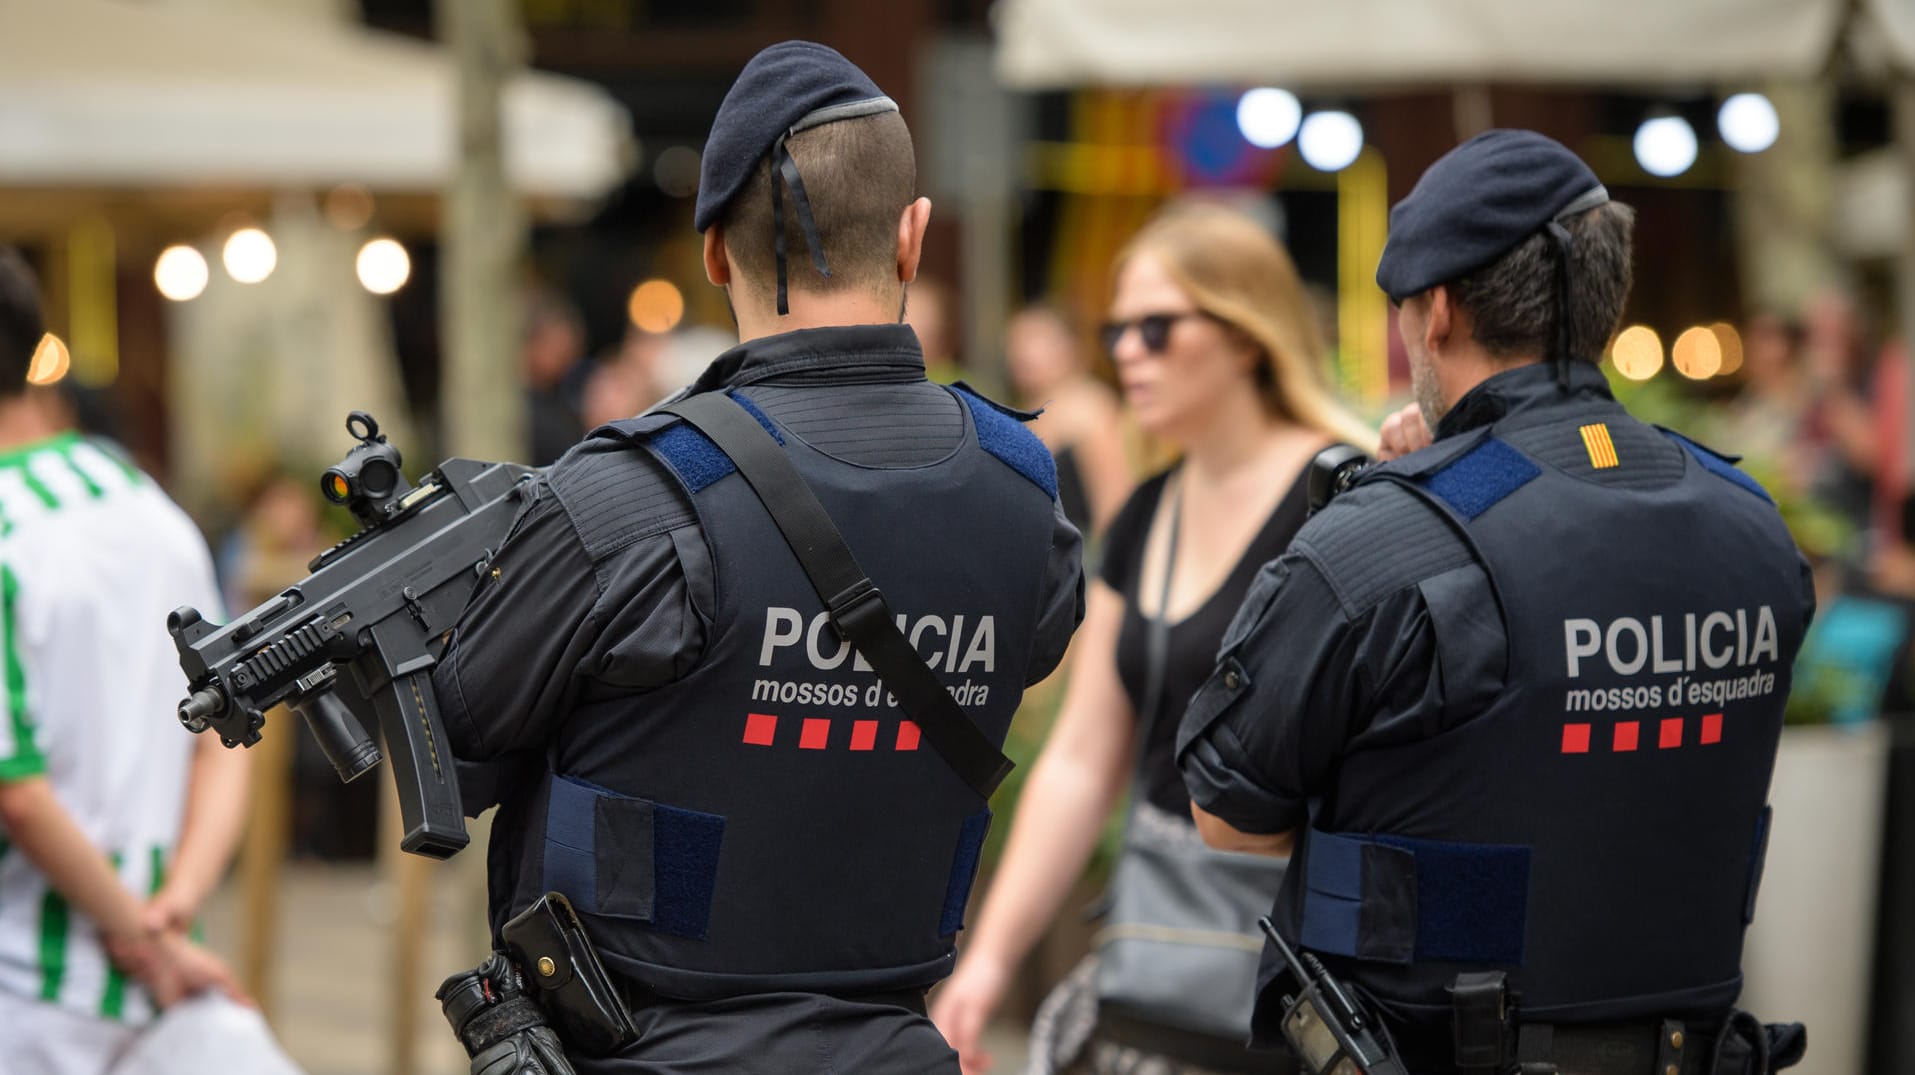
(858, 609)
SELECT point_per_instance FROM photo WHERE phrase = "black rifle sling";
(858, 609)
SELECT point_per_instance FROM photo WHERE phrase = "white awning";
(102, 92)
(1381, 44)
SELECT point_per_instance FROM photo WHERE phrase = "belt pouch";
(567, 979)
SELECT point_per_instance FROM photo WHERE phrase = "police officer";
(1515, 697)
(769, 850)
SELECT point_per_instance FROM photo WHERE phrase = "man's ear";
(717, 262)
(911, 226)
(1441, 321)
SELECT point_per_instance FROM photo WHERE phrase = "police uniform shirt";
(1379, 630)
(605, 584)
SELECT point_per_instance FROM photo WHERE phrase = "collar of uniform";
(1520, 389)
(878, 353)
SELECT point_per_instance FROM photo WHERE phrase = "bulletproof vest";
(772, 820)
(1598, 832)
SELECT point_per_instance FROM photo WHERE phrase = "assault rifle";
(351, 647)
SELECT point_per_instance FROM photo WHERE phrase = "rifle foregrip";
(422, 763)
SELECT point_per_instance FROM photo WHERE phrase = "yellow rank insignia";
(1602, 451)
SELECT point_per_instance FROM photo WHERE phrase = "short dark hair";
(21, 322)
(859, 175)
(1512, 300)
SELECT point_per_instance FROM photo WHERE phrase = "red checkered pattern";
(1625, 736)
(760, 729)
(814, 733)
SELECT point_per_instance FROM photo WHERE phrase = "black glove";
(502, 1030)
(532, 1051)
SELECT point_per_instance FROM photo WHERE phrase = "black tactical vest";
(1598, 833)
(772, 821)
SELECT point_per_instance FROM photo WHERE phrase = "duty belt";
(638, 997)
(1491, 1038)
(1633, 1048)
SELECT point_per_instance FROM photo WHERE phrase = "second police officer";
(1515, 697)
(768, 846)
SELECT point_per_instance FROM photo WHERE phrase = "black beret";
(787, 88)
(1478, 202)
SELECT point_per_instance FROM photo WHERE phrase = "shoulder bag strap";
(858, 609)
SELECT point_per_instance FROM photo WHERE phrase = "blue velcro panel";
(685, 856)
(1719, 466)
(685, 845)
(691, 455)
(569, 865)
(1481, 477)
(1005, 437)
(1333, 893)
(762, 419)
(957, 893)
(1472, 900)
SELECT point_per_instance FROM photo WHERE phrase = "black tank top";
(1193, 642)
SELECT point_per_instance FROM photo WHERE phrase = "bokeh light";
(50, 361)
(249, 255)
(1730, 340)
(656, 306)
(1268, 117)
(1696, 354)
(1330, 141)
(1748, 123)
(349, 206)
(181, 273)
(1637, 352)
(384, 267)
(1665, 146)
(676, 172)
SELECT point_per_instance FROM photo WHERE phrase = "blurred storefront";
(200, 182)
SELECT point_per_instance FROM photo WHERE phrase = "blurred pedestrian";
(1082, 423)
(1218, 356)
(551, 347)
(1845, 450)
(625, 381)
(114, 826)
(1514, 698)
(277, 536)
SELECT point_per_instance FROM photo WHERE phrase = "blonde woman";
(1218, 356)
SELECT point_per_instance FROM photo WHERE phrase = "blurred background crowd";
(473, 219)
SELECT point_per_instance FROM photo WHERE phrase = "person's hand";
(965, 1004)
(169, 911)
(1403, 432)
(136, 955)
(180, 969)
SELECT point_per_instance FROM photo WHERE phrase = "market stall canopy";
(1378, 44)
(111, 93)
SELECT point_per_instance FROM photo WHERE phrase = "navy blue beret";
(1478, 202)
(789, 87)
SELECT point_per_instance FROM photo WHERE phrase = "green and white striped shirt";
(92, 557)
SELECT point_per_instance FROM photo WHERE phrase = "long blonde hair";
(1233, 270)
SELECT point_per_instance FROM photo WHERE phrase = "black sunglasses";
(1154, 329)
